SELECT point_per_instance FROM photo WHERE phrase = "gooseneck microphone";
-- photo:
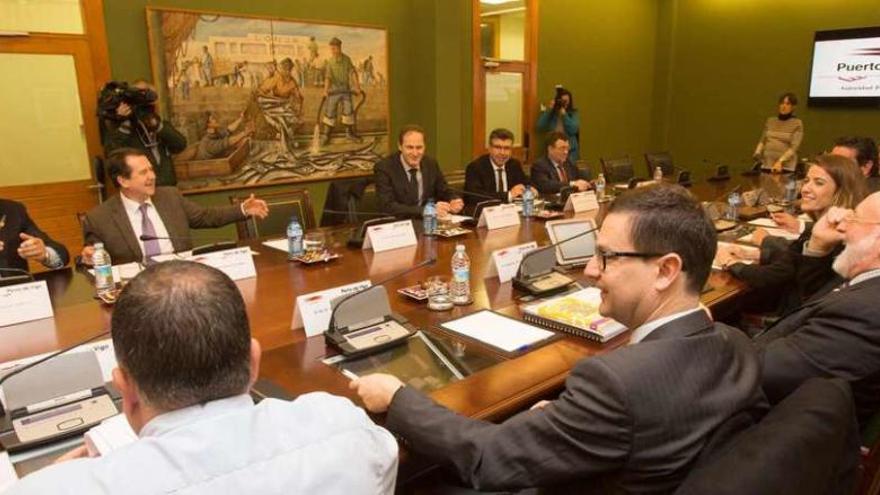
(221, 243)
(42, 360)
(535, 274)
(557, 243)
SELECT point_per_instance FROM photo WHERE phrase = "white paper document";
(7, 472)
(279, 244)
(764, 222)
(505, 333)
(24, 302)
(773, 232)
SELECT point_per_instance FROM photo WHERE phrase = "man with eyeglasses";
(837, 334)
(496, 174)
(632, 420)
(554, 171)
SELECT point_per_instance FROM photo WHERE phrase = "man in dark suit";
(406, 180)
(22, 240)
(863, 151)
(495, 174)
(552, 172)
(838, 333)
(632, 420)
(141, 208)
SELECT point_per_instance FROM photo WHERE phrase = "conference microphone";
(362, 322)
(222, 243)
(42, 360)
(536, 275)
(20, 276)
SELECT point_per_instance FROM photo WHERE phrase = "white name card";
(24, 302)
(498, 217)
(390, 236)
(582, 201)
(505, 262)
(236, 263)
(312, 311)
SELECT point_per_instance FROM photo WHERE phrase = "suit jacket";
(631, 420)
(392, 186)
(19, 222)
(808, 445)
(546, 180)
(480, 178)
(834, 336)
(109, 223)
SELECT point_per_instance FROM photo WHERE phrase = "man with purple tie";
(142, 209)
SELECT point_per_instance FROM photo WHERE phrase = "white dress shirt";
(318, 443)
(643, 331)
(132, 209)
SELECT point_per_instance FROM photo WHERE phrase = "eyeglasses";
(602, 256)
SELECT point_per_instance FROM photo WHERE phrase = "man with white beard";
(837, 334)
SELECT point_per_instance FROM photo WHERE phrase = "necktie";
(499, 181)
(562, 175)
(151, 248)
(414, 182)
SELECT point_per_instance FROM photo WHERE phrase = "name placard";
(237, 263)
(24, 302)
(390, 236)
(498, 217)
(582, 201)
(312, 311)
(505, 262)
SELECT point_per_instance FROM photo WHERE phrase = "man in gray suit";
(141, 208)
(632, 420)
(838, 333)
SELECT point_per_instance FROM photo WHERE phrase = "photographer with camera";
(560, 115)
(129, 120)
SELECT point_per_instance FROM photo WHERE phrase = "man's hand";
(581, 185)
(443, 208)
(517, 190)
(787, 221)
(777, 167)
(32, 248)
(376, 390)
(541, 404)
(254, 207)
(123, 110)
(825, 236)
(80, 452)
(758, 236)
(456, 205)
(86, 256)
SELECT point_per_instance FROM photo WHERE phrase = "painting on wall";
(267, 100)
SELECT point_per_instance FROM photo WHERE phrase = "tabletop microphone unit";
(221, 243)
(18, 276)
(362, 322)
(537, 275)
(63, 399)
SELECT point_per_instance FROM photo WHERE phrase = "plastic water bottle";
(600, 187)
(429, 218)
(104, 282)
(733, 202)
(461, 276)
(294, 238)
(528, 208)
(658, 174)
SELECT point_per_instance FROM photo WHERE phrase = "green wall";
(730, 60)
(604, 53)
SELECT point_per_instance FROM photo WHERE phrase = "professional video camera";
(141, 100)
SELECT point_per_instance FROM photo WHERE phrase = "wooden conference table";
(294, 362)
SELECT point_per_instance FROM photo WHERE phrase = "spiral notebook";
(576, 313)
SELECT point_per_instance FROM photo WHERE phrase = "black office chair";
(343, 201)
(660, 159)
(282, 205)
(807, 444)
(618, 170)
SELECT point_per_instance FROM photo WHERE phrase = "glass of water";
(314, 242)
(439, 298)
